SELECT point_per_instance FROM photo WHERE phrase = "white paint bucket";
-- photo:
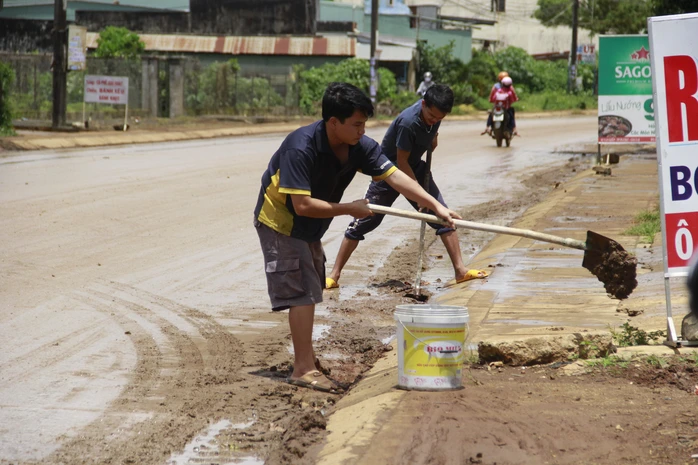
(431, 343)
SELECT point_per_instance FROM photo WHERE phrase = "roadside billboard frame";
(625, 90)
(668, 43)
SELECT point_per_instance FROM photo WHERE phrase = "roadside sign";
(77, 47)
(106, 89)
(675, 90)
(626, 112)
(586, 53)
(675, 71)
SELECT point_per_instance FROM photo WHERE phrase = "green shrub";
(464, 94)
(445, 68)
(7, 77)
(402, 100)
(482, 71)
(221, 89)
(632, 336)
(553, 101)
(647, 225)
(118, 42)
(355, 71)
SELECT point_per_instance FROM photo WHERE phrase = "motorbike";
(500, 125)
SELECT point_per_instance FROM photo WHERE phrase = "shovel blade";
(611, 264)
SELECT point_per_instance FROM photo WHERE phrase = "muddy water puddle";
(207, 448)
(524, 322)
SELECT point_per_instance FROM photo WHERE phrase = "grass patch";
(464, 109)
(555, 101)
(607, 362)
(691, 358)
(647, 225)
(631, 336)
(658, 362)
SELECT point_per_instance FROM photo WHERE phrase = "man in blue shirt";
(409, 136)
(301, 193)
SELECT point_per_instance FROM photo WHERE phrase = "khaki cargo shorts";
(295, 269)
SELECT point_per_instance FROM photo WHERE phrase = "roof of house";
(180, 5)
(244, 45)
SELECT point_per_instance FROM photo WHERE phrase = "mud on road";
(223, 395)
(185, 381)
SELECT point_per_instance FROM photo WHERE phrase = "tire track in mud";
(180, 380)
(49, 354)
(191, 370)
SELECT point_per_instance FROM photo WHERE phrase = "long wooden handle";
(422, 229)
(566, 242)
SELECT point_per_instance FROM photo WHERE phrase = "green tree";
(118, 42)
(440, 61)
(7, 77)
(673, 7)
(598, 16)
(353, 70)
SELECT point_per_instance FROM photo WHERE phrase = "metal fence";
(219, 90)
(214, 89)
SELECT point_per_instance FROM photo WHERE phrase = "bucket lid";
(431, 311)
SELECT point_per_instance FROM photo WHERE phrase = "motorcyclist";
(425, 84)
(504, 93)
(497, 85)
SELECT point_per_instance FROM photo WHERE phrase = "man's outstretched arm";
(305, 205)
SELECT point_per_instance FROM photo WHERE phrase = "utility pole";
(572, 76)
(60, 34)
(374, 42)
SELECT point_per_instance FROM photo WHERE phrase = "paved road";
(110, 254)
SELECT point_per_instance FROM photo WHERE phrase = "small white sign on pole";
(674, 60)
(107, 89)
(77, 47)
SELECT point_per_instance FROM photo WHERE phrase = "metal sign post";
(675, 86)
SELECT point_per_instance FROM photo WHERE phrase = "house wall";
(44, 10)
(25, 36)
(515, 27)
(253, 17)
(399, 26)
(142, 22)
(224, 17)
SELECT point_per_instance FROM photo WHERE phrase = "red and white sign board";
(674, 58)
(106, 89)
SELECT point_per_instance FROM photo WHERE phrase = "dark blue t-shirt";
(306, 165)
(408, 132)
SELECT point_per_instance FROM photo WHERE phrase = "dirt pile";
(617, 271)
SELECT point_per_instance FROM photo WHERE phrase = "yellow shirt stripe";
(286, 190)
(274, 212)
(386, 174)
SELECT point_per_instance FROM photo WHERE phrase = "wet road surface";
(118, 255)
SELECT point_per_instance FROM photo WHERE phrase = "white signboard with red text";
(674, 59)
(106, 89)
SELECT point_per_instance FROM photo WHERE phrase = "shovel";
(422, 231)
(604, 257)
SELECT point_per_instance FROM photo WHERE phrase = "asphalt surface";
(168, 224)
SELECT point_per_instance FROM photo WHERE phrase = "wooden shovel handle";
(566, 242)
